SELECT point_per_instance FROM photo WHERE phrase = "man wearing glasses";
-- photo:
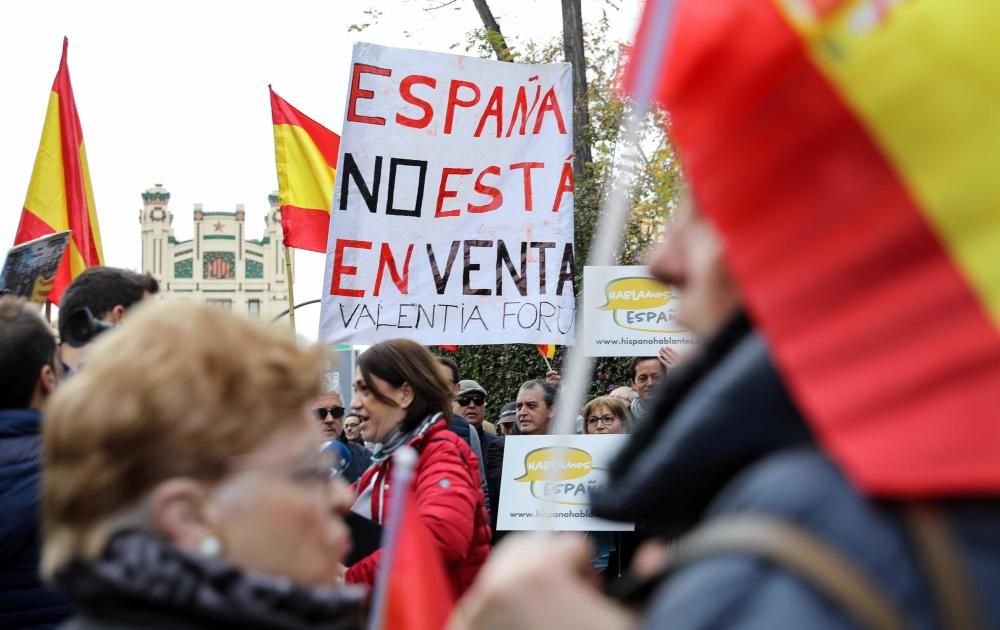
(329, 410)
(470, 403)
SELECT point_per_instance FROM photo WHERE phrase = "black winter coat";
(24, 601)
(724, 438)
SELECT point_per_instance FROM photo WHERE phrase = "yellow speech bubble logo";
(636, 294)
(554, 463)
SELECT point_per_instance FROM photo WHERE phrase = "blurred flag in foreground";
(59, 194)
(305, 153)
(418, 593)
(412, 590)
(847, 150)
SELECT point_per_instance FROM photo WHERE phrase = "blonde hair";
(616, 406)
(179, 389)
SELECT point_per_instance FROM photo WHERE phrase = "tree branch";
(493, 33)
(575, 54)
(441, 6)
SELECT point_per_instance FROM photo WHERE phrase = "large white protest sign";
(627, 313)
(547, 481)
(452, 218)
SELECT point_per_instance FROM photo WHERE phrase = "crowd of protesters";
(188, 485)
(177, 468)
(166, 464)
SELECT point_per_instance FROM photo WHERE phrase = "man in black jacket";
(28, 374)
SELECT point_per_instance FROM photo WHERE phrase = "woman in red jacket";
(402, 398)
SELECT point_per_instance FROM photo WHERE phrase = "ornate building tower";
(156, 220)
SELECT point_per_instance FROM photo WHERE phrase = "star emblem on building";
(218, 226)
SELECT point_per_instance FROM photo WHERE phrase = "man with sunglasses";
(470, 403)
(329, 411)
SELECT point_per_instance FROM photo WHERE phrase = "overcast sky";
(176, 93)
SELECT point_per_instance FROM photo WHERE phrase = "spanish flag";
(418, 594)
(59, 194)
(547, 350)
(306, 156)
(847, 150)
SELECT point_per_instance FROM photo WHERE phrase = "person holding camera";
(96, 300)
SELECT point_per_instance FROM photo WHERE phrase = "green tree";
(502, 368)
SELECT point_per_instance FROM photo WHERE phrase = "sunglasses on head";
(336, 412)
(464, 401)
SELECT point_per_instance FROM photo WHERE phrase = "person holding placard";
(534, 410)
(646, 375)
(606, 415)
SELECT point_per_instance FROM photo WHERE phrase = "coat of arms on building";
(219, 266)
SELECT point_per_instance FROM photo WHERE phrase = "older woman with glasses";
(606, 415)
(183, 482)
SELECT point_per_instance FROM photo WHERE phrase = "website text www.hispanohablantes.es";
(629, 341)
(568, 513)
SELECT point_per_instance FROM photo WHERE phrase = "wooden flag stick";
(291, 291)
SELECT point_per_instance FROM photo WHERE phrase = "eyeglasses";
(313, 469)
(465, 401)
(336, 412)
(605, 421)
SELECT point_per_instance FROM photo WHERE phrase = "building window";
(226, 305)
(255, 270)
(253, 307)
(184, 268)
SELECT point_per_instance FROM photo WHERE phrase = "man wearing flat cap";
(470, 403)
(507, 419)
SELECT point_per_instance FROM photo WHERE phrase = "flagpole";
(291, 289)
(611, 223)
(403, 462)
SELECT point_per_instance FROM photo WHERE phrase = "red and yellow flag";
(306, 156)
(59, 194)
(419, 595)
(547, 350)
(847, 150)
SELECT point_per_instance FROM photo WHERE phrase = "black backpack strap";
(793, 549)
(941, 562)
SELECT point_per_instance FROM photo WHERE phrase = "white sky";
(176, 93)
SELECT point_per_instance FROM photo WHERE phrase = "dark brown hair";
(26, 344)
(399, 361)
(637, 360)
(102, 288)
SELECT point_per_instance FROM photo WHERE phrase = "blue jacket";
(24, 601)
(724, 438)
